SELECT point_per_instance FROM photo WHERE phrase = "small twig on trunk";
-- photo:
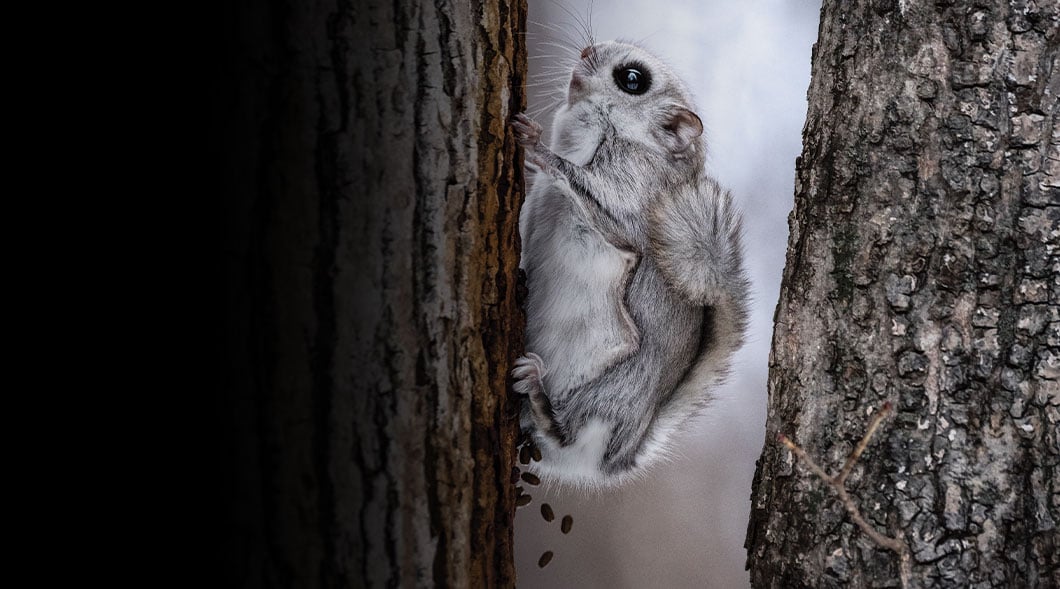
(838, 483)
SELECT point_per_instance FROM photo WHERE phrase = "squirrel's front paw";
(527, 131)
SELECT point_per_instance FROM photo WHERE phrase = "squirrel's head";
(621, 89)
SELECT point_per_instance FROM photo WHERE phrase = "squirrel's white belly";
(576, 310)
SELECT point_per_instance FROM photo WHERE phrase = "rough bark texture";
(370, 254)
(923, 268)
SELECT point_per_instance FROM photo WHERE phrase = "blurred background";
(748, 67)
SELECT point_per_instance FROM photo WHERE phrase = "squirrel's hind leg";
(528, 373)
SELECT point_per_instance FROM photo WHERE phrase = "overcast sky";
(748, 65)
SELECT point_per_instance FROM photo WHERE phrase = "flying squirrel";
(637, 294)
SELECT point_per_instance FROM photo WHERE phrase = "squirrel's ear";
(680, 127)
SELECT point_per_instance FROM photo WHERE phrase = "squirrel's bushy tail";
(695, 239)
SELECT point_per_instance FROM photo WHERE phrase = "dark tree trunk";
(923, 269)
(369, 261)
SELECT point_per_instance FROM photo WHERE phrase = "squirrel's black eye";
(632, 80)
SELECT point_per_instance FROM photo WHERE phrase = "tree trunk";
(923, 269)
(370, 258)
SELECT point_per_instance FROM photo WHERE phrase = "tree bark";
(369, 259)
(923, 268)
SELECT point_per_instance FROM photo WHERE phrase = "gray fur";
(637, 293)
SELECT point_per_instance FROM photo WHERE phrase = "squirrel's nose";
(587, 52)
